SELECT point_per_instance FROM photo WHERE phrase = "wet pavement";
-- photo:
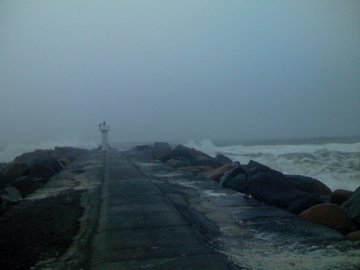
(155, 217)
(139, 228)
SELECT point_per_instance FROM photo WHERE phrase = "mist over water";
(335, 164)
(178, 70)
(175, 70)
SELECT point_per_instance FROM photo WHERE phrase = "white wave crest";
(335, 164)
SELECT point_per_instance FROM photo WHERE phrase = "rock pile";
(31, 170)
(304, 196)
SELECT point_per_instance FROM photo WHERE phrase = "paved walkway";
(140, 229)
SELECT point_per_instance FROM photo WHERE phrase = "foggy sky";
(178, 70)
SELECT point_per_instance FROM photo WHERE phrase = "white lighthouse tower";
(104, 129)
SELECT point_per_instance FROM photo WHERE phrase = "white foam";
(335, 164)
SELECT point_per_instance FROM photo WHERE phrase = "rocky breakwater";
(50, 228)
(300, 195)
(30, 171)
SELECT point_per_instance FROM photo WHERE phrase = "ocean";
(335, 162)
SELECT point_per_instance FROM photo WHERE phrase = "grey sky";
(178, 70)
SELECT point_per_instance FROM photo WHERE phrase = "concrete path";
(140, 229)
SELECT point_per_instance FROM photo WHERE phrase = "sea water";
(337, 164)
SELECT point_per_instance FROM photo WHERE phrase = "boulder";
(340, 195)
(2, 205)
(190, 156)
(196, 169)
(26, 184)
(352, 206)
(162, 146)
(177, 163)
(45, 169)
(310, 185)
(36, 156)
(222, 160)
(304, 203)
(2, 166)
(237, 182)
(10, 195)
(64, 162)
(216, 174)
(354, 236)
(3, 179)
(272, 187)
(16, 169)
(330, 215)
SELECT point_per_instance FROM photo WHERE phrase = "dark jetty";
(43, 228)
(293, 193)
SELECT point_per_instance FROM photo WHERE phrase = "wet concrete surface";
(250, 233)
(148, 215)
(139, 228)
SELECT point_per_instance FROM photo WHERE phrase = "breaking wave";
(335, 164)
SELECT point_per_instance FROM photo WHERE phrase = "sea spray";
(335, 164)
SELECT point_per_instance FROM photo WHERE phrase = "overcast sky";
(178, 70)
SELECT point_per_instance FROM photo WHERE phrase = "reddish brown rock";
(340, 195)
(330, 215)
(217, 173)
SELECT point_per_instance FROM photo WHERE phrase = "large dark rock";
(45, 169)
(190, 156)
(177, 163)
(270, 186)
(222, 160)
(2, 166)
(10, 195)
(237, 182)
(352, 207)
(16, 169)
(27, 184)
(235, 179)
(30, 170)
(41, 155)
(162, 146)
(310, 185)
(304, 203)
(294, 193)
(36, 156)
